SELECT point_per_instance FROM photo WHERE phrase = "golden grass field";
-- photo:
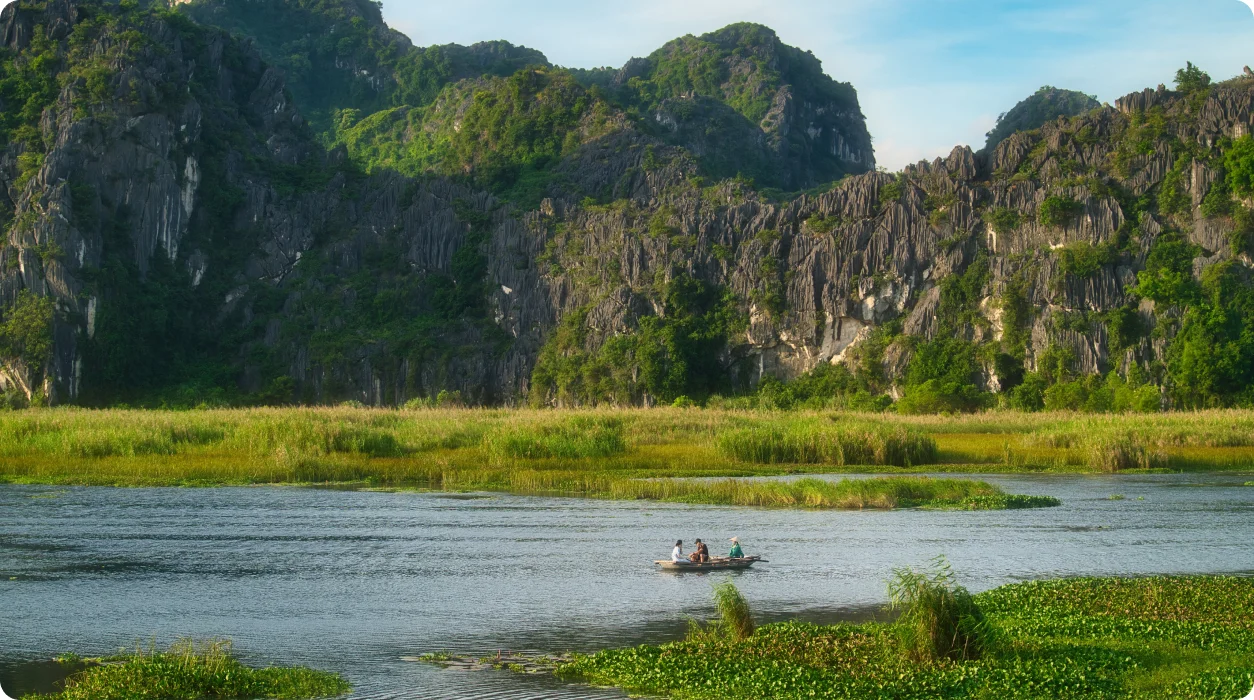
(605, 452)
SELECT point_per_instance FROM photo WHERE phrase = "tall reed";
(939, 618)
(1119, 453)
(733, 610)
(577, 438)
(841, 445)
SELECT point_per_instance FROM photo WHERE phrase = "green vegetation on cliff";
(688, 351)
(503, 134)
(1046, 105)
(339, 55)
(395, 224)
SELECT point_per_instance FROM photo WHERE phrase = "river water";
(353, 581)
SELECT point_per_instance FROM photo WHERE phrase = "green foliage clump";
(1211, 359)
(1168, 274)
(825, 386)
(1002, 220)
(823, 225)
(1083, 259)
(191, 670)
(26, 330)
(1124, 327)
(941, 378)
(1059, 212)
(1191, 78)
(680, 353)
(892, 192)
(1046, 105)
(1174, 197)
(1239, 165)
(1218, 199)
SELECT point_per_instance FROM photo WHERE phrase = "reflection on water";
(352, 581)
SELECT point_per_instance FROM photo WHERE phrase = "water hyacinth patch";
(1184, 637)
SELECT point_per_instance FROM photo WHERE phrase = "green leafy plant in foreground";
(194, 670)
(1170, 637)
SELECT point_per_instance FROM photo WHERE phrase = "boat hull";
(712, 565)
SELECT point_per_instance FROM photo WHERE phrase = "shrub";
(1065, 396)
(1002, 220)
(1239, 162)
(26, 329)
(891, 192)
(939, 619)
(1030, 395)
(1059, 211)
(1191, 78)
(1083, 259)
(940, 396)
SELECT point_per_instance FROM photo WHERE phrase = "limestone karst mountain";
(275, 201)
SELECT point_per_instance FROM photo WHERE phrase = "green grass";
(604, 452)
(193, 670)
(847, 494)
(1189, 637)
(840, 444)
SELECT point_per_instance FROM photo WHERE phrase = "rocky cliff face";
(200, 244)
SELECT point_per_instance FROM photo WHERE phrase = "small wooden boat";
(714, 564)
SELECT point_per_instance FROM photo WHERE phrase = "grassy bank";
(190, 670)
(550, 450)
(1085, 638)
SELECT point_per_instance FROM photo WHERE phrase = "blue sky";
(930, 73)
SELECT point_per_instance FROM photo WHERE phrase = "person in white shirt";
(677, 554)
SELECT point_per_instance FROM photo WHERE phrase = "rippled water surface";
(353, 581)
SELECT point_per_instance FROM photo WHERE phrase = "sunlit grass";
(480, 448)
(193, 670)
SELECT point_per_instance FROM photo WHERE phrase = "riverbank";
(187, 670)
(1184, 637)
(578, 451)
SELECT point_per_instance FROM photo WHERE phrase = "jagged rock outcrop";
(171, 198)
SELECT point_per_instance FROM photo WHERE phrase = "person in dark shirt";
(701, 553)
